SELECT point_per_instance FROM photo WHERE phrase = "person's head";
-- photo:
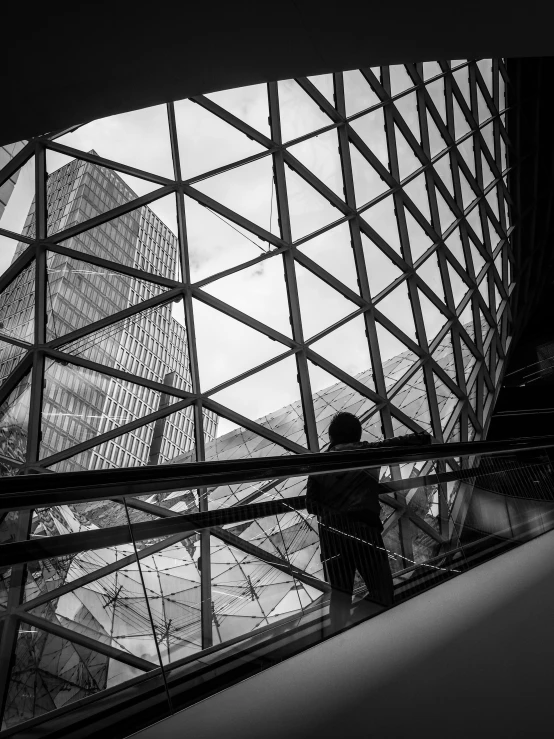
(345, 428)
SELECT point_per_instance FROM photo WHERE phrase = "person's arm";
(417, 439)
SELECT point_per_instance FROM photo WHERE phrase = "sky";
(226, 347)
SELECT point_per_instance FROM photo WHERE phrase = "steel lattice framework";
(405, 170)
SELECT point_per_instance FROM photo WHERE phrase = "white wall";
(471, 658)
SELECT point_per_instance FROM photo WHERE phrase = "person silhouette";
(348, 512)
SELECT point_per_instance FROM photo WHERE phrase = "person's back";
(347, 506)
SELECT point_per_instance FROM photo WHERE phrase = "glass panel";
(446, 216)
(492, 200)
(331, 397)
(487, 132)
(79, 293)
(468, 194)
(258, 291)
(396, 367)
(299, 114)
(420, 241)
(248, 593)
(466, 150)
(14, 424)
(483, 111)
(429, 272)
(263, 393)
(17, 307)
(497, 298)
(320, 155)
(309, 211)
(461, 76)
(381, 270)
(400, 80)
(207, 142)
(436, 92)
(454, 243)
(485, 326)
(17, 210)
(407, 160)
(367, 182)
(498, 265)
(488, 175)
(443, 169)
(144, 238)
(247, 103)
(70, 180)
(371, 128)
(321, 305)
(485, 67)
(121, 138)
(128, 450)
(484, 289)
(446, 400)
(50, 672)
(79, 404)
(459, 287)
(433, 318)
(226, 347)
(431, 69)
(10, 356)
(215, 244)
(324, 83)
(357, 92)
(238, 442)
(382, 218)
(408, 109)
(149, 344)
(333, 251)
(397, 308)
(474, 220)
(444, 356)
(503, 159)
(417, 192)
(346, 347)
(501, 91)
(392, 350)
(436, 141)
(466, 320)
(461, 125)
(248, 190)
(468, 357)
(412, 399)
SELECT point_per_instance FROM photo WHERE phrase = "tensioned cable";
(236, 229)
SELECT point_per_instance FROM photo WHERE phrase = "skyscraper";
(6, 153)
(78, 402)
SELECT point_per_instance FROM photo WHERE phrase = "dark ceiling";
(68, 63)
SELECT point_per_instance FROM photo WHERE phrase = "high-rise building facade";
(6, 153)
(79, 403)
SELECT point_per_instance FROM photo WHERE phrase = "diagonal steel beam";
(113, 266)
(85, 641)
(88, 156)
(120, 374)
(236, 541)
(109, 215)
(153, 302)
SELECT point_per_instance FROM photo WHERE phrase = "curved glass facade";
(214, 279)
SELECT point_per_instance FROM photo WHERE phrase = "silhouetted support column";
(159, 428)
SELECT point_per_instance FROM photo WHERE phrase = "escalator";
(471, 513)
